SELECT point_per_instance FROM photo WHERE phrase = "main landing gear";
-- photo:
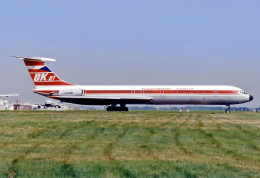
(228, 109)
(113, 107)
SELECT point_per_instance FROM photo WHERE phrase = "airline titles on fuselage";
(167, 89)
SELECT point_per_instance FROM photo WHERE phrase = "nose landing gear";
(228, 109)
(113, 107)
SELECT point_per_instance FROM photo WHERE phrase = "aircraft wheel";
(227, 111)
(123, 109)
(109, 108)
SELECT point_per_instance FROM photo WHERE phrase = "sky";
(133, 42)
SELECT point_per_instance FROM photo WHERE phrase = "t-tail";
(41, 74)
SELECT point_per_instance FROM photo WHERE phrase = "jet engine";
(71, 92)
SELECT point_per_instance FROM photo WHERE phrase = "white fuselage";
(165, 94)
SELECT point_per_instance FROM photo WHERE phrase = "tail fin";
(40, 73)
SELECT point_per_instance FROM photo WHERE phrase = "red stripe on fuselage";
(205, 92)
(168, 92)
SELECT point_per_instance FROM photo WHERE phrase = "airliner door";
(162, 92)
(215, 93)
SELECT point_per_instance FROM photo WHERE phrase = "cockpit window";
(243, 92)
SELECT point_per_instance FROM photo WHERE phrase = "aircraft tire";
(227, 111)
(109, 108)
(124, 109)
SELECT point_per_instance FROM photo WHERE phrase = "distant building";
(24, 107)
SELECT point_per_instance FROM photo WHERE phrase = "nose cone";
(251, 98)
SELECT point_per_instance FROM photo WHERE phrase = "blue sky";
(171, 42)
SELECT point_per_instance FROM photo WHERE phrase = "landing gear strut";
(228, 109)
(113, 107)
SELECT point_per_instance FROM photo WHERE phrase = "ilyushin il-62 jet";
(116, 97)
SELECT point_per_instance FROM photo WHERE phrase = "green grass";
(129, 144)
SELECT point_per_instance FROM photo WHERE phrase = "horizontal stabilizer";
(35, 59)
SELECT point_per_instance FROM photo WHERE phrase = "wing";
(9, 95)
(104, 100)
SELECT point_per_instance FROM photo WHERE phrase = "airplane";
(4, 104)
(49, 104)
(48, 84)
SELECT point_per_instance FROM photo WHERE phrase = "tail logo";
(40, 77)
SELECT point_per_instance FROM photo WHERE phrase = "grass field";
(129, 144)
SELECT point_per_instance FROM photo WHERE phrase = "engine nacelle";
(71, 92)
